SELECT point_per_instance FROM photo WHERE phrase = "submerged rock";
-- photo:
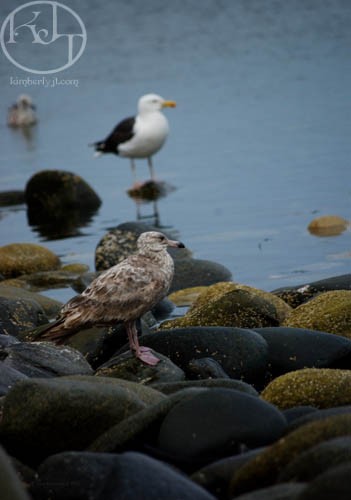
(25, 258)
(53, 191)
(328, 225)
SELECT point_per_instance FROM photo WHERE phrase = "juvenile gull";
(22, 113)
(140, 136)
(123, 293)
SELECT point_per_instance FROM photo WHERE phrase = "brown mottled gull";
(123, 293)
(22, 113)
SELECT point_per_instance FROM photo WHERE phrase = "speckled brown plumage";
(123, 293)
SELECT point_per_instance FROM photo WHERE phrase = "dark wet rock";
(296, 348)
(283, 491)
(11, 487)
(18, 315)
(264, 469)
(319, 387)
(127, 366)
(59, 203)
(50, 306)
(6, 340)
(120, 242)
(297, 412)
(225, 383)
(217, 423)
(98, 344)
(140, 430)
(46, 416)
(100, 476)
(53, 191)
(8, 377)
(215, 477)
(317, 460)
(84, 280)
(241, 353)
(189, 272)
(204, 368)
(328, 312)
(296, 295)
(223, 304)
(45, 280)
(8, 198)
(317, 415)
(163, 309)
(43, 359)
(334, 483)
(25, 258)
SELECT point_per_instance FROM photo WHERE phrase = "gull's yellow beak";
(169, 104)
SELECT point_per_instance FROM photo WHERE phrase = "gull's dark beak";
(175, 244)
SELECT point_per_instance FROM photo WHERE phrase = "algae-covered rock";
(328, 225)
(328, 312)
(45, 416)
(25, 258)
(263, 470)
(322, 388)
(228, 304)
(19, 315)
(51, 307)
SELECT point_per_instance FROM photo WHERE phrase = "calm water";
(260, 139)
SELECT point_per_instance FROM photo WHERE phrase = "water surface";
(260, 139)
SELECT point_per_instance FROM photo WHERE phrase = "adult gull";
(122, 293)
(139, 136)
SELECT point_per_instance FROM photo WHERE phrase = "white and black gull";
(122, 293)
(139, 136)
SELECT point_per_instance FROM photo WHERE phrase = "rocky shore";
(251, 399)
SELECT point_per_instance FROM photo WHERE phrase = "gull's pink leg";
(142, 353)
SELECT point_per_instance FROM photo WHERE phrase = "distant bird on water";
(22, 113)
(123, 293)
(140, 136)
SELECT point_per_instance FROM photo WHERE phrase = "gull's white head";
(155, 242)
(153, 102)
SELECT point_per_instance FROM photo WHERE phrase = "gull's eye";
(162, 238)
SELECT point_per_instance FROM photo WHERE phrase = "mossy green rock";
(50, 306)
(228, 304)
(322, 388)
(46, 416)
(328, 312)
(26, 258)
(263, 470)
